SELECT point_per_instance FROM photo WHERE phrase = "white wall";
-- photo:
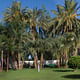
(45, 62)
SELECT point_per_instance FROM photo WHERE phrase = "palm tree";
(2, 42)
(77, 38)
(67, 42)
(66, 20)
(66, 16)
(18, 36)
(15, 11)
(60, 47)
(37, 18)
(7, 49)
(11, 16)
(5, 46)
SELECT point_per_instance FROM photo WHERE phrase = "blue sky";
(49, 4)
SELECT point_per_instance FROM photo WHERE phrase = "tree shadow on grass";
(63, 70)
(73, 76)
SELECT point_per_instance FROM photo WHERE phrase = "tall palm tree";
(37, 18)
(12, 15)
(7, 49)
(66, 16)
(67, 42)
(5, 46)
(66, 19)
(60, 47)
(77, 38)
(2, 42)
(18, 28)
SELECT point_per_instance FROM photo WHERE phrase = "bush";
(74, 62)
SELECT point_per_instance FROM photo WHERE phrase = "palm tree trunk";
(33, 34)
(75, 52)
(41, 61)
(19, 60)
(35, 56)
(13, 58)
(58, 62)
(66, 56)
(76, 49)
(66, 60)
(2, 59)
(36, 61)
(19, 57)
(7, 61)
(63, 59)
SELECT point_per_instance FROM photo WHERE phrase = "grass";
(44, 74)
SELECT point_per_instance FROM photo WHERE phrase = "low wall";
(45, 62)
(50, 61)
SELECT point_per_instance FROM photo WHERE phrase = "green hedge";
(74, 62)
(50, 65)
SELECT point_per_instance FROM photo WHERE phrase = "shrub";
(74, 62)
(50, 65)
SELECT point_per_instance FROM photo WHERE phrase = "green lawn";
(44, 74)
